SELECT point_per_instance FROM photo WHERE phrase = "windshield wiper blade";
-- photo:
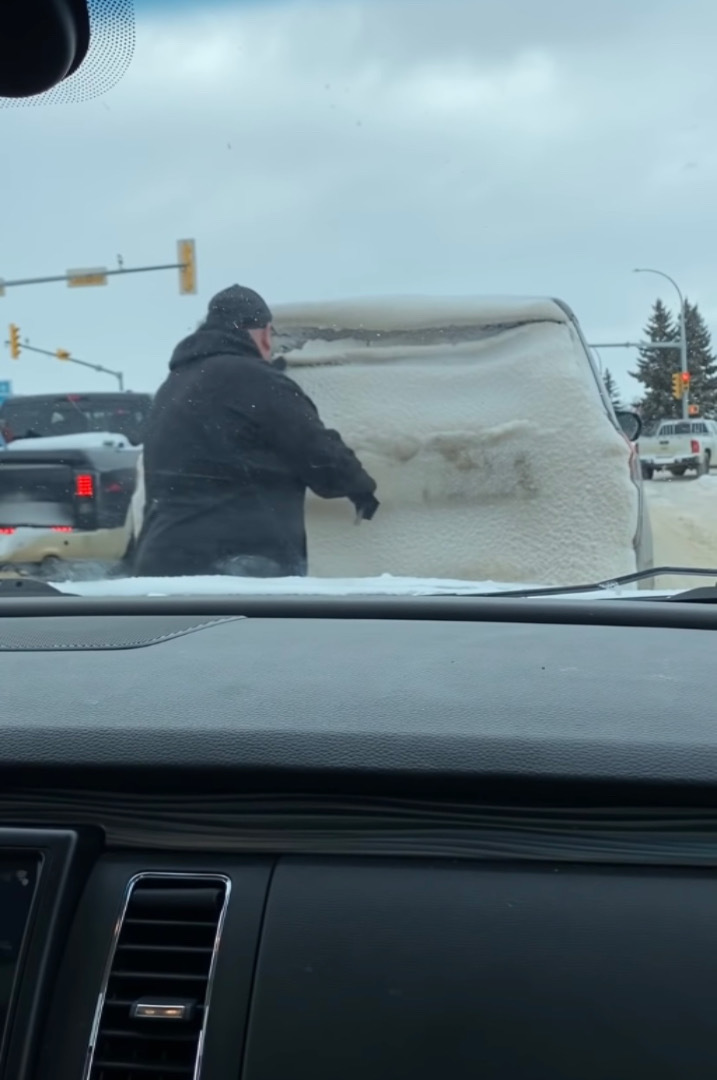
(622, 579)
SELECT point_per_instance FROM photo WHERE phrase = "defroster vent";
(153, 1008)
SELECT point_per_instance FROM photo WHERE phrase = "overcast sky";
(325, 149)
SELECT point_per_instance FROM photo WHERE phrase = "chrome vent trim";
(157, 875)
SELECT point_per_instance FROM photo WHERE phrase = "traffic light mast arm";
(186, 264)
(63, 354)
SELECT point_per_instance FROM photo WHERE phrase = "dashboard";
(242, 841)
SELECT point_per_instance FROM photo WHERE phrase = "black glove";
(366, 506)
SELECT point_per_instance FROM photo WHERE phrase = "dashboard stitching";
(101, 646)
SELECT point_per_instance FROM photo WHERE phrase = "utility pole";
(186, 264)
(683, 338)
(59, 354)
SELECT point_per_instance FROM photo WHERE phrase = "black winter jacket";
(232, 444)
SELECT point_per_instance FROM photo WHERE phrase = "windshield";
(375, 296)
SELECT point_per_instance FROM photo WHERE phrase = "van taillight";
(84, 486)
(695, 446)
(5, 531)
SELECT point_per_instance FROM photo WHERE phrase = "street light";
(683, 336)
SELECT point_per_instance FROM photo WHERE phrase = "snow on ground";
(684, 525)
(386, 585)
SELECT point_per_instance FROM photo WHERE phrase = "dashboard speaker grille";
(153, 1008)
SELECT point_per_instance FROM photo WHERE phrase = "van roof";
(419, 312)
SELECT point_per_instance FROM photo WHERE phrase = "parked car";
(27, 416)
(678, 446)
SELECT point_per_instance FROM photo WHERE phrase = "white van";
(481, 420)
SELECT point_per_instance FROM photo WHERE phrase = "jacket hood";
(215, 337)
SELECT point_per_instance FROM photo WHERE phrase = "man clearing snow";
(232, 444)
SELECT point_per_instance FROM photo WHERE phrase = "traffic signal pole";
(186, 264)
(60, 354)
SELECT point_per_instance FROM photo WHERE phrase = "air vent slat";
(132, 1068)
(172, 949)
(154, 1005)
(160, 976)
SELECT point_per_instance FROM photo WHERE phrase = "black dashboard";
(312, 841)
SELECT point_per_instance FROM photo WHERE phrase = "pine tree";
(655, 366)
(701, 362)
(612, 390)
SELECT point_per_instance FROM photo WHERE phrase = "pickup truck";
(64, 504)
(678, 445)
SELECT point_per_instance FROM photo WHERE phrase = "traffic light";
(187, 259)
(62, 354)
(677, 385)
(14, 341)
(685, 376)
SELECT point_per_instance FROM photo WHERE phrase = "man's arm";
(318, 454)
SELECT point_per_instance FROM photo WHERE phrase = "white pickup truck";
(678, 445)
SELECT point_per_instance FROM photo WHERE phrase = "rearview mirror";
(630, 423)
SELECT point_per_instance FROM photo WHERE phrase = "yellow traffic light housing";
(677, 385)
(14, 341)
(187, 260)
(62, 354)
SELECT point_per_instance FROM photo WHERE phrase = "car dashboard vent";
(153, 1007)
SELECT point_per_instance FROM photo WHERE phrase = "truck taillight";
(84, 486)
(695, 446)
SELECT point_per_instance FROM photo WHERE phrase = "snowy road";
(684, 525)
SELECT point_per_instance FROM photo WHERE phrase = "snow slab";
(418, 312)
(385, 585)
(494, 457)
(79, 441)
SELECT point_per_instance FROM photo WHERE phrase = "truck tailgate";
(38, 493)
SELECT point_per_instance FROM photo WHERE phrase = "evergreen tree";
(701, 362)
(612, 390)
(656, 366)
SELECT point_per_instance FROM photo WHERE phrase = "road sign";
(95, 276)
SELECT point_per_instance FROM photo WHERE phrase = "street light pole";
(683, 336)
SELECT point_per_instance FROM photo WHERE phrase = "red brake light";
(84, 486)
(6, 531)
(113, 488)
(695, 446)
(62, 528)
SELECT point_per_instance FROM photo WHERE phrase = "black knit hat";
(240, 306)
